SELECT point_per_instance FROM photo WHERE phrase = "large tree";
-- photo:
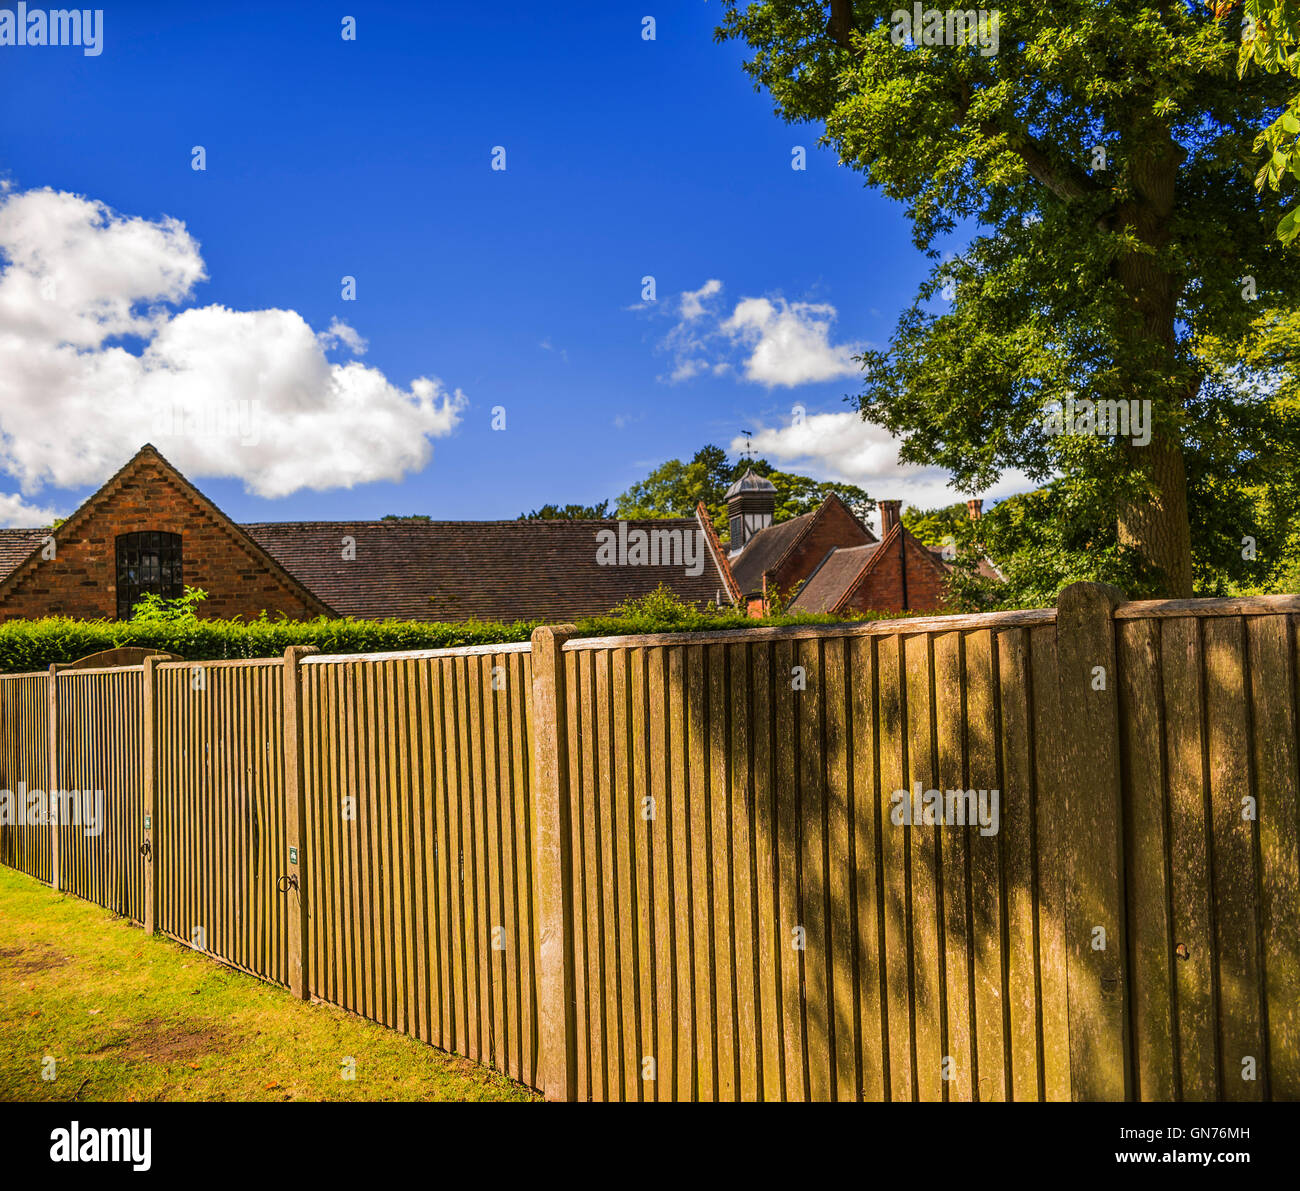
(1096, 175)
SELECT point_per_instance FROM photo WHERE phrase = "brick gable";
(832, 525)
(241, 579)
(884, 580)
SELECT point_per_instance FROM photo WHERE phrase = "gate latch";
(284, 884)
(146, 850)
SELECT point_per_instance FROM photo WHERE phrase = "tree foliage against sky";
(1270, 41)
(596, 512)
(674, 488)
(1095, 181)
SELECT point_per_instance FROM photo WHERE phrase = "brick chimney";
(975, 508)
(889, 514)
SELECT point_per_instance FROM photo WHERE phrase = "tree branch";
(1066, 183)
(841, 22)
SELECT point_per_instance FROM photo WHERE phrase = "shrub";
(663, 612)
(173, 626)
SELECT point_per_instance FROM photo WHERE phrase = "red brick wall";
(81, 579)
(835, 527)
(882, 589)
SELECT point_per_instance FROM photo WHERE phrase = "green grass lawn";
(128, 1017)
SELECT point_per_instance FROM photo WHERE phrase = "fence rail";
(686, 866)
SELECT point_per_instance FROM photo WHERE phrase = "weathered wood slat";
(958, 937)
(988, 909)
(705, 1055)
(925, 861)
(1193, 927)
(1145, 818)
(870, 816)
(839, 870)
(1017, 824)
(814, 915)
(792, 1023)
(744, 910)
(1241, 1035)
(894, 865)
(1274, 674)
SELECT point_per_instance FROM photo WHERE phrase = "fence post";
(149, 760)
(550, 781)
(51, 800)
(295, 817)
(1091, 779)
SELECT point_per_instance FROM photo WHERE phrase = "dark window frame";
(151, 560)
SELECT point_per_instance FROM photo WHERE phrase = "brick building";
(827, 560)
(148, 529)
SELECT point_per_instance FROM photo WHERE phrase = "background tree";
(935, 527)
(674, 488)
(1100, 164)
(597, 512)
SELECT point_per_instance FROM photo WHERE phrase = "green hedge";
(27, 645)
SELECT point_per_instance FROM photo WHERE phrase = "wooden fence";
(25, 758)
(673, 867)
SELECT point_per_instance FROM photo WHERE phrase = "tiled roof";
(488, 570)
(835, 574)
(17, 544)
(764, 550)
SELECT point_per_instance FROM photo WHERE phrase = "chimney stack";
(975, 508)
(889, 515)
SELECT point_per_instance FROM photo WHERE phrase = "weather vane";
(748, 452)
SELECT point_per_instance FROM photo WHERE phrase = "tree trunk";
(1158, 528)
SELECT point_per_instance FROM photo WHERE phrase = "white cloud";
(80, 282)
(339, 333)
(844, 448)
(768, 341)
(692, 305)
(789, 342)
(14, 511)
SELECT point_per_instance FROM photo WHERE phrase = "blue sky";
(520, 288)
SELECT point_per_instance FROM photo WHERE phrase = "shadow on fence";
(673, 867)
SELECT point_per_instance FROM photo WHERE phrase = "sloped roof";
(768, 548)
(488, 570)
(16, 545)
(834, 575)
(750, 482)
(765, 549)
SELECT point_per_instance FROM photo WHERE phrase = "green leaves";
(674, 488)
(1073, 277)
(27, 645)
(1289, 226)
(1271, 41)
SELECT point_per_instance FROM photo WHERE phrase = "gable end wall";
(80, 581)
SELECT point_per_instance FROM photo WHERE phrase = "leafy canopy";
(1086, 197)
